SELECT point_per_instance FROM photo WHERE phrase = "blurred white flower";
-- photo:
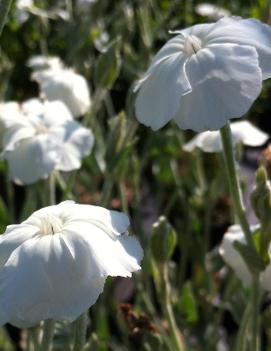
(22, 10)
(65, 85)
(40, 62)
(242, 131)
(44, 138)
(211, 11)
(206, 75)
(9, 114)
(231, 256)
(54, 264)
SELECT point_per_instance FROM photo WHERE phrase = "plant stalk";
(80, 332)
(234, 184)
(5, 6)
(174, 332)
(48, 333)
(239, 208)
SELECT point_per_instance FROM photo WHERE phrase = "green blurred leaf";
(188, 304)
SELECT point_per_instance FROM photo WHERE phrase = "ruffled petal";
(16, 134)
(32, 160)
(13, 237)
(32, 107)
(55, 114)
(159, 96)
(61, 286)
(118, 256)
(10, 114)
(172, 47)
(226, 80)
(250, 32)
(248, 134)
(206, 141)
(76, 142)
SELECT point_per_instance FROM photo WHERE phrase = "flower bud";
(163, 240)
(261, 197)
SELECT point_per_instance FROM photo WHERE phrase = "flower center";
(192, 45)
(50, 225)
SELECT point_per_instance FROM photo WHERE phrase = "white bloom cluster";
(54, 264)
(206, 75)
(242, 132)
(42, 137)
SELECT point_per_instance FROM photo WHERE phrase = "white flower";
(9, 114)
(44, 138)
(40, 62)
(206, 75)
(22, 10)
(65, 85)
(242, 131)
(54, 264)
(231, 256)
(211, 11)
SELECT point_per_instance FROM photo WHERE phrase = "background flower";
(44, 138)
(65, 85)
(206, 75)
(231, 256)
(64, 253)
(211, 11)
(242, 131)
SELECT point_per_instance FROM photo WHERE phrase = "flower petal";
(248, 134)
(159, 95)
(76, 142)
(206, 141)
(245, 32)
(232, 257)
(13, 237)
(119, 256)
(225, 80)
(61, 287)
(32, 160)
(172, 47)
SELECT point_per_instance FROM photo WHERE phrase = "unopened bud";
(261, 196)
(163, 240)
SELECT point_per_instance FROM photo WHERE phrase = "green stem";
(255, 320)
(242, 339)
(48, 333)
(124, 202)
(80, 332)
(5, 6)
(106, 192)
(234, 183)
(52, 189)
(174, 332)
(239, 208)
(33, 334)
